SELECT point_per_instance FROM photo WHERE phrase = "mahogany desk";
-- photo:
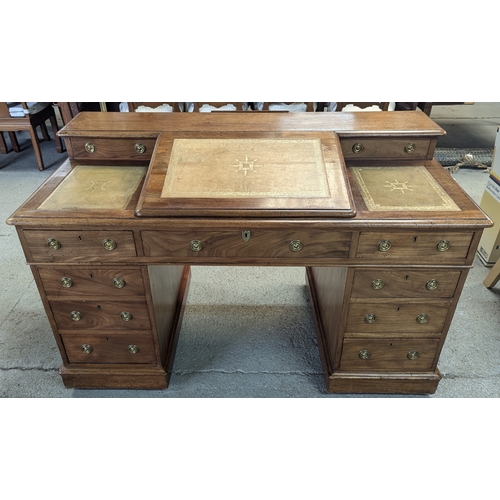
(386, 236)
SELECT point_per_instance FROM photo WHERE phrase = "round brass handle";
(443, 245)
(75, 315)
(67, 282)
(109, 244)
(357, 148)
(370, 318)
(378, 284)
(432, 284)
(90, 147)
(53, 244)
(119, 282)
(140, 148)
(126, 316)
(422, 318)
(412, 355)
(295, 246)
(86, 348)
(384, 245)
(410, 147)
(196, 245)
(364, 354)
(133, 349)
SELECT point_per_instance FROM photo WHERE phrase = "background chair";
(155, 106)
(285, 106)
(215, 106)
(382, 106)
(15, 117)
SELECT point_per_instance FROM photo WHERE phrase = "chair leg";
(59, 146)
(45, 133)
(14, 142)
(36, 147)
(3, 144)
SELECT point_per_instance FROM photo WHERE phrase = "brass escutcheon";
(412, 355)
(422, 318)
(86, 348)
(295, 246)
(109, 244)
(357, 148)
(53, 244)
(140, 148)
(443, 245)
(133, 349)
(67, 282)
(125, 316)
(378, 284)
(432, 284)
(246, 235)
(370, 318)
(364, 354)
(89, 147)
(75, 315)
(196, 245)
(119, 282)
(384, 245)
(410, 147)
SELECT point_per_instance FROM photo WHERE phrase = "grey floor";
(247, 332)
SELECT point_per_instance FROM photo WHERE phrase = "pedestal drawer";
(109, 348)
(112, 149)
(408, 355)
(362, 148)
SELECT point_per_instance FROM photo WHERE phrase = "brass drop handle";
(75, 315)
(133, 349)
(126, 316)
(443, 245)
(67, 282)
(378, 284)
(196, 245)
(119, 282)
(384, 245)
(86, 348)
(109, 244)
(364, 354)
(432, 284)
(140, 148)
(410, 147)
(90, 147)
(357, 148)
(412, 355)
(53, 244)
(422, 318)
(295, 246)
(370, 318)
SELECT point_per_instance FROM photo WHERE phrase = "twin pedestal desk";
(385, 234)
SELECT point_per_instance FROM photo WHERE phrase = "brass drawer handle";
(378, 284)
(133, 349)
(75, 315)
(119, 282)
(432, 284)
(364, 354)
(196, 245)
(422, 318)
(296, 246)
(126, 316)
(86, 348)
(384, 245)
(412, 355)
(90, 147)
(410, 147)
(357, 148)
(140, 148)
(53, 244)
(109, 244)
(67, 282)
(443, 245)
(370, 318)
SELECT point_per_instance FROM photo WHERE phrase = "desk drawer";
(408, 355)
(112, 149)
(77, 246)
(377, 148)
(109, 348)
(263, 243)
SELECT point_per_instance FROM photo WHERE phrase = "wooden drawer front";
(397, 317)
(414, 247)
(101, 315)
(110, 348)
(110, 149)
(408, 355)
(362, 148)
(384, 283)
(261, 244)
(62, 246)
(92, 281)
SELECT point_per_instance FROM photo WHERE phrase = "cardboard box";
(489, 245)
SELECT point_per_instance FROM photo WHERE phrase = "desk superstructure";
(385, 234)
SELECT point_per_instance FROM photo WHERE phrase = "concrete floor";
(249, 341)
